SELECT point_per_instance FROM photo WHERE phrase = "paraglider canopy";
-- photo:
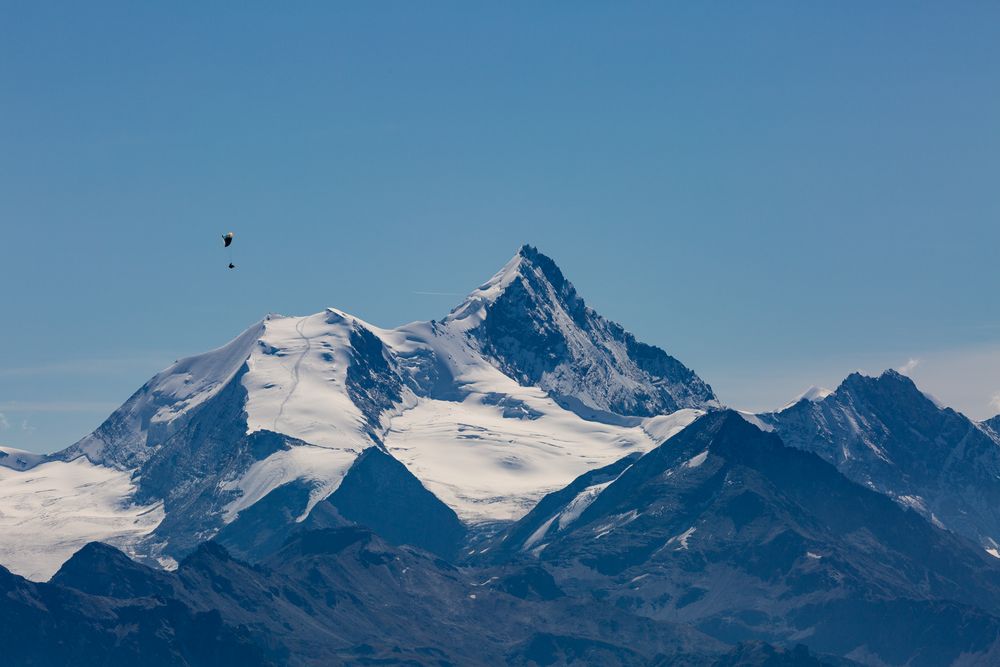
(227, 239)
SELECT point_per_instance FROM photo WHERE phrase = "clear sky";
(777, 193)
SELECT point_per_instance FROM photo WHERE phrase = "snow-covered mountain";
(530, 323)
(886, 434)
(518, 391)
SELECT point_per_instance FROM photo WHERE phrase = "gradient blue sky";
(777, 193)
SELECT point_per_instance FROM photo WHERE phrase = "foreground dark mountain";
(47, 625)
(333, 597)
(884, 433)
(726, 528)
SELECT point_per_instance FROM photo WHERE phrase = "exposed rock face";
(531, 323)
(884, 433)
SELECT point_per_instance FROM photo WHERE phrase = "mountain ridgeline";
(885, 434)
(523, 483)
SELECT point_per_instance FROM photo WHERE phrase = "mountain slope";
(884, 433)
(727, 528)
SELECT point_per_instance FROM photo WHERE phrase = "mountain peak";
(529, 321)
(100, 569)
(532, 258)
(889, 385)
(528, 267)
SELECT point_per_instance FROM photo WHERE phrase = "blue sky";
(776, 193)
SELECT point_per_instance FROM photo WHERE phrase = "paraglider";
(227, 240)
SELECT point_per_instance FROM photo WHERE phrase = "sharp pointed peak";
(527, 263)
(530, 252)
(532, 256)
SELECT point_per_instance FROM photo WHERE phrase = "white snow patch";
(663, 427)
(682, 539)
(324, 467)
(616, 521)
(696, 460)
(536, 536)
(49, 512)
(915, 502)
(538, 550)
(756, 421)
(167, 563)
(581, 502)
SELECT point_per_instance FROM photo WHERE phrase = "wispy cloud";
(4, 424)
(97, 366)
(57, 406)
(963, 378)
(26, 427)
(426, 293)
(908, 367)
